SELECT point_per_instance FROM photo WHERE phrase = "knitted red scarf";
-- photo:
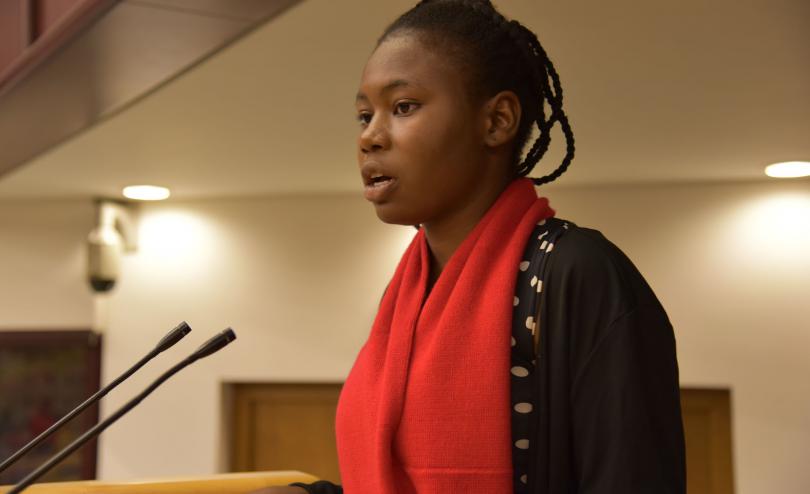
(425, 408)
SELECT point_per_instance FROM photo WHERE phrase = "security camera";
(106, 244)
(105, 249)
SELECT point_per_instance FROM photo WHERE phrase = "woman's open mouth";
(379, 187)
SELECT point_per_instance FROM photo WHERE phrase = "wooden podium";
(227, 483)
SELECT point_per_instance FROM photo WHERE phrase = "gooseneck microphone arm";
(166, 342)
(213, 345)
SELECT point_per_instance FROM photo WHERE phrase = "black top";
(606, 414)
(607, 377)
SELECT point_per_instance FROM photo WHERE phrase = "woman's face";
(421, 142)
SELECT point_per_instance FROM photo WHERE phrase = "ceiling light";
(789, 169)
(146, 192)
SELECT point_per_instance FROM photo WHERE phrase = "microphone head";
(173, 336)
(215, 344)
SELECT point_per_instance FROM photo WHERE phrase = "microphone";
(165, 343)
(213, 345)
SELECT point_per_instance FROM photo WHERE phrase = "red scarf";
(425, 408)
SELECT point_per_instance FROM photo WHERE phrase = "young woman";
(512, 351)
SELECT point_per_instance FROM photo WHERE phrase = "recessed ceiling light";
(146, 192)
(788, 169)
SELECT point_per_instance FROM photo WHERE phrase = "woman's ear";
(502, 118)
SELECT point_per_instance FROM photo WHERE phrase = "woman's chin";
(392, 215)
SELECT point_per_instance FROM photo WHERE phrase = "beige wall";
(299, 278)
(42, 265)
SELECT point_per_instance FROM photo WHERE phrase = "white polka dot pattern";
(520, 371)
(528, 289)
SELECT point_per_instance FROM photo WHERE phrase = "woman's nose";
(374, 137)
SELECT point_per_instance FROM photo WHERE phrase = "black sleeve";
(320, 487)
(614, 347)
(627, 429)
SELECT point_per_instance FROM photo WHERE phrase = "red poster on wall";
(43, 376)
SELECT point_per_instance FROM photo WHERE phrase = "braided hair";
(500, 55)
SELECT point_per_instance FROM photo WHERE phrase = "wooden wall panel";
(707, 426)
(291, 426)
(48, 13)
(284, 427)
(15, 25)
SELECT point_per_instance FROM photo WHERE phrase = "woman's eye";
(364, 118)
(404, 107)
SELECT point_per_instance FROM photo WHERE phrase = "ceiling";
(686, 91)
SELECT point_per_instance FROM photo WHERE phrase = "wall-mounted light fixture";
(114, 234)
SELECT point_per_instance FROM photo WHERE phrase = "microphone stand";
(213, 345)
(166, 342)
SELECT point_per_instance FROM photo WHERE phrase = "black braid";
(502, 55)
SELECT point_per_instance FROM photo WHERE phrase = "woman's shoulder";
(585, 260)
(582, 248)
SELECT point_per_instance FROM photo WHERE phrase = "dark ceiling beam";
(111, 54)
